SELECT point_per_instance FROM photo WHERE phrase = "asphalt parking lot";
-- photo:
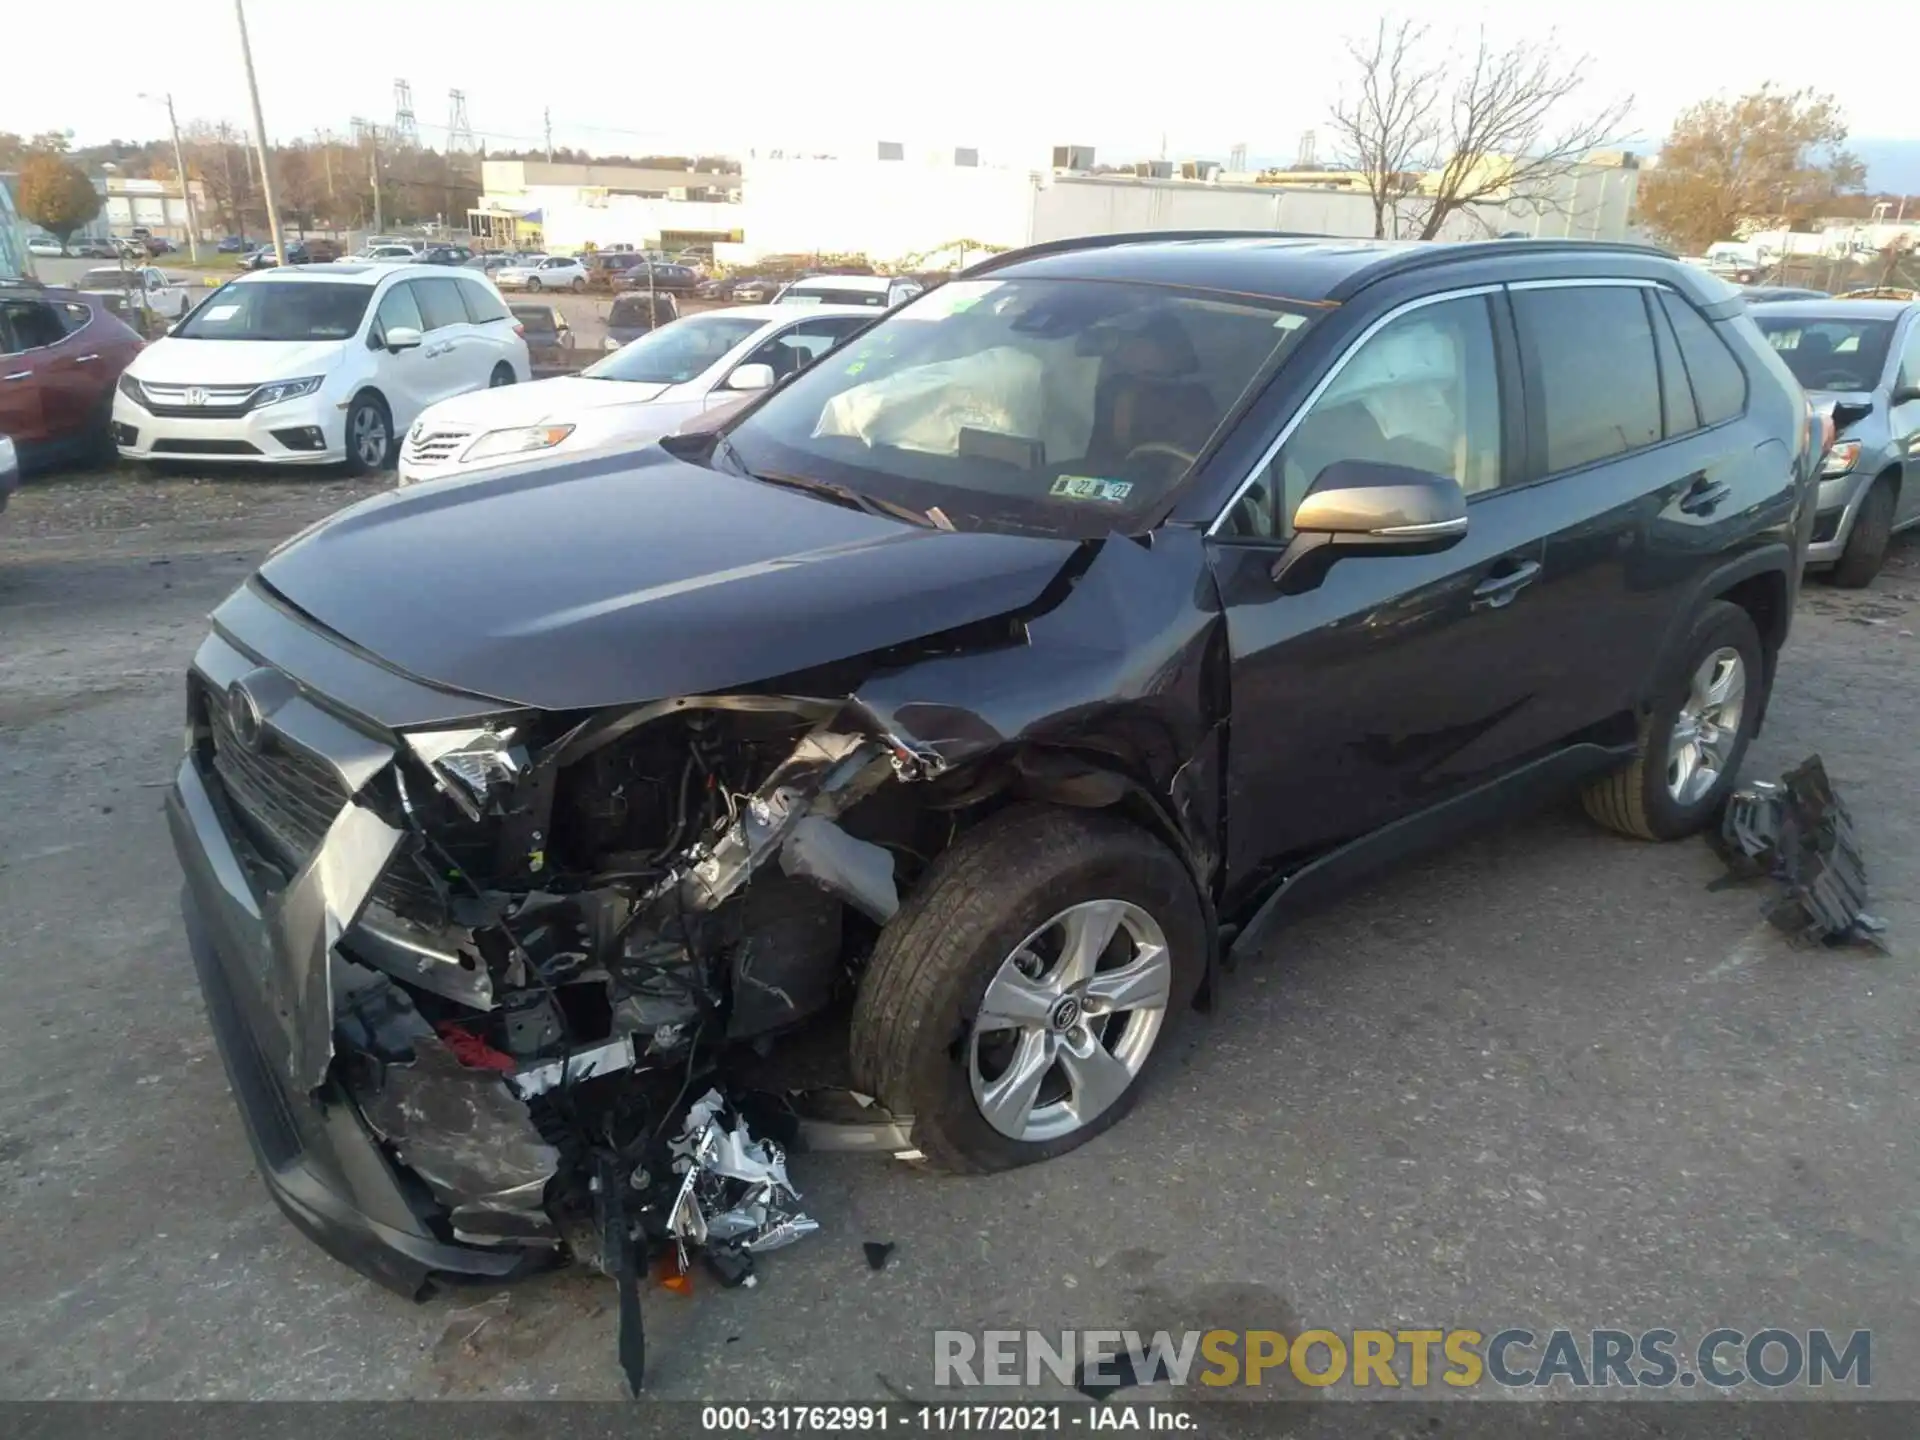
(1549, 1077)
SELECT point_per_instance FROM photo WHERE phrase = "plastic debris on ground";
(735, 1200)
(1798, 832)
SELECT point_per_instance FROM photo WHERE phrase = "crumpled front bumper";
(321, 1160)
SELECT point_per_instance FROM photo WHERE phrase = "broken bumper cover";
(322, 1162)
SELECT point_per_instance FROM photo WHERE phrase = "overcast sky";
(839, 74)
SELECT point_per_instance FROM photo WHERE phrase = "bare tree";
(1390, 128)
(1508, 126)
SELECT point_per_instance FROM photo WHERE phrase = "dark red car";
(61, 354)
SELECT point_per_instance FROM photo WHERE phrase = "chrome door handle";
(1498, 590)
(1705, 496)
(83, 359)
(18, 375)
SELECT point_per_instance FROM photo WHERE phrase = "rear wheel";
(578, 286)
(1014, 1003)
(369, 435)
(1695, 735)
(533, 282)
(1867, 542)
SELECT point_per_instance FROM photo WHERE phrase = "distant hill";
(1893, 166)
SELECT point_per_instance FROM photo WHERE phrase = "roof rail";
(1136, 237)
(1420, 256)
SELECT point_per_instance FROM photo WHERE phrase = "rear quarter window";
(1719, 384)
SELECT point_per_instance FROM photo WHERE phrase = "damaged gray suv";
(934, 729)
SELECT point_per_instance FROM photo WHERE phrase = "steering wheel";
(1160, 447)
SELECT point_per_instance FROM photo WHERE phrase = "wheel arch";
(1761, 582)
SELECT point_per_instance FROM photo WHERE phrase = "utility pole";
(260, 136)
(326, 158)
(547, 116)
(373, 172)
(186, 184)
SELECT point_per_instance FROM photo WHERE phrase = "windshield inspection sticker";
(1091, 487)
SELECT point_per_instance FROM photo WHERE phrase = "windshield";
(279, 310)
(822, 295)
(1067, 406)
(675, 352)
(1829, 352)
(111, 280)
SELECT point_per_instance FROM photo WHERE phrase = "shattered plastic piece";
(878, 1252)
(858, 871)
(735, 1199)
(1799, 833)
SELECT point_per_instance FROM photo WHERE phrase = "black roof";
(1312, 268)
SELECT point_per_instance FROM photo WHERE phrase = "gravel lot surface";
(1548, 1077)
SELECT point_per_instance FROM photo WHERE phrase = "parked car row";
(61, 353)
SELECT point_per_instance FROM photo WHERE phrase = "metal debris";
(1799, 833)
(735, 1200)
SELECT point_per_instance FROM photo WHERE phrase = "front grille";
(291, 798)
(436, 447)
(220, 402)
(205, 447)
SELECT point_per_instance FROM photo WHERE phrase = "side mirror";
(404, 337)
(751, 377)
(1361, 507)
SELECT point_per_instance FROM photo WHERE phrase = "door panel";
(1395, 681)
(407, 378)
(1904, 422)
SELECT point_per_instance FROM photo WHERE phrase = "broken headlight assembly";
(471, 766)
(521, 440)
(1840, 458)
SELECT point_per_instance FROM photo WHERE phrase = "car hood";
(173, 361)
(562, 398)
(637, 576)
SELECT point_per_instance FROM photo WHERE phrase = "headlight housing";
(519, 441)
(278, 390)
(1841, 457)
(472, 766)
(130, 388)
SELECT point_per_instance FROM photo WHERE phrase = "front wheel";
(1014, 1003)
(1693, 737)
(1867, 541)
(369, 436)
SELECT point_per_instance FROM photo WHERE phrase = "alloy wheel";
(1069, 1019)
(369, 437)
(1707, 726)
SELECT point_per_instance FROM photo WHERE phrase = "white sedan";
(140, 287)
(632, 397)
(542, 272)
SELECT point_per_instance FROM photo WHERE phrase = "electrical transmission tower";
(1307, 159)
(459, 129)
(405, 130)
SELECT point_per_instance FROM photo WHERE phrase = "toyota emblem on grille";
(196, 395)
(243, 715)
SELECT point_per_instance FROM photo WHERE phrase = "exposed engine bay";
(577, 931)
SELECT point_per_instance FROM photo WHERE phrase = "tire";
(1640, 800)
(533, 282)
(1867, 542)
(577, 286)
(999, 889)
(369, 408)
(502, 375)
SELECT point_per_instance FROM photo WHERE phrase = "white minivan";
(314, 365)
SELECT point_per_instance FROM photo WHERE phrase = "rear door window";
(439, 301)
(483, 306)
(1594, 367)
(1719, 384)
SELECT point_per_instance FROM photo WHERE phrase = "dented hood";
(638, 576)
